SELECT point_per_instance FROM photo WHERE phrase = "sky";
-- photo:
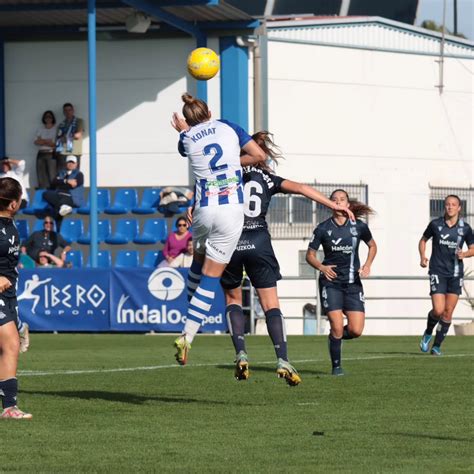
(433, 10)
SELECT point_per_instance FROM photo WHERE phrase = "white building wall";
(353, 116)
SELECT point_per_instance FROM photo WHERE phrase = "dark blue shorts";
(8, 309)
(342, 297)
(255, 254)
(443, 285)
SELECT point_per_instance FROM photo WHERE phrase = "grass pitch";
(396, 410)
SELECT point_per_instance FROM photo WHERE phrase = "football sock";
(441, 332)
(236, 323)
(346, 334)
(194, 277)
(431, 323)
(335, 350)
(200, 305)
(276, 330)
(8, 392)
(20, 326)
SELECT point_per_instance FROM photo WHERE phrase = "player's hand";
(5, 283)
(328, 272)
(179, 123)
(364, 271)
(189, 216)
(460, 254)
(346, 211)
(424, 262)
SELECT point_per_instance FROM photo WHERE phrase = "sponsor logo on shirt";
(342, 248)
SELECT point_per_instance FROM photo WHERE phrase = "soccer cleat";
(241, 366)
(286, 371)
(182, 350)
(24, 338)
(425, 342)
(337, 371)
(64, 210)
(16, 414)
(436, 351)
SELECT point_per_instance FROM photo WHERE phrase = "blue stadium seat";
(125, 200)
(103, 201)
(39, 225)
(104, 260)
(72, 229)
(38, 204)
(126, 259)
(125, 231)
(154, 230)
(103, 231)
(23, 229)
(152, 258)
(74, 257)
(150, 201)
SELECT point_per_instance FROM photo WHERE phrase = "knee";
(447, 315)
(355, 332)
(337, 333)
(437, 313)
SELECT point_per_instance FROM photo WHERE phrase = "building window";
(292, 216)
(438, 194)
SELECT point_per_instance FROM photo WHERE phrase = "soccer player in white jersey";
(213, 148)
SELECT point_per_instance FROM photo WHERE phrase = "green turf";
(397, 410)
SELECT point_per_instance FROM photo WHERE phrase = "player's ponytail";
(359, 209)
(264, 140)
(195, 111)
(10, 190)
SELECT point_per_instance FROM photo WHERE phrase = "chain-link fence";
(438, 194)
(292, 216)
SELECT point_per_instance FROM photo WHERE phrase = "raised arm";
(253, 154)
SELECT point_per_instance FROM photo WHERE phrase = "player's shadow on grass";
(122, 397)
(260, 368)
(428, 436)
(406, 353)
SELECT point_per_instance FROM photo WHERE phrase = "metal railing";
(438, 194)
(316, 299)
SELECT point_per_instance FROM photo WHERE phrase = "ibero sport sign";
(109, 300)
(144, 300)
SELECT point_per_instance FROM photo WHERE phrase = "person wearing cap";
(67, 190)
(69, 137)
(10, 168)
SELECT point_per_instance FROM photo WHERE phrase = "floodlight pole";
(91, 48)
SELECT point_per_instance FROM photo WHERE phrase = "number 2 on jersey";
(253, 202)
(214, 167)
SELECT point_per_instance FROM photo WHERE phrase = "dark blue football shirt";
(9, 253)
(446, 241)
(341, 247)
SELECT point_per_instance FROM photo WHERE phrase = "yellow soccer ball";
(203, 63)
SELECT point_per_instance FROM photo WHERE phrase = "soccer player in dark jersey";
(446, 269)
(255, 254)
(10, 201)
(340, 272)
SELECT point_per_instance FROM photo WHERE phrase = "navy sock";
(277, 332)
(8, 392)
(236, 323)
(431, 323)
(441, 332)
(346, 334)
(335, 351)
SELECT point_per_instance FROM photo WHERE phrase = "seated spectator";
(67, 192)
(45, 240)
(172, 199)
(184, 260)
(45, 139)
(15, 169)
(48, 260)
(176, 243)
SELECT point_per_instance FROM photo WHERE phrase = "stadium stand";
(152, 258)
(127, 259)
(75, 258)
(104, 259)
(149, 202)
(72, 229)
(38, 204)
(103, 201)
(154, 230)
(23, 228)
(125, 231)
(125, 200)
(103, 231)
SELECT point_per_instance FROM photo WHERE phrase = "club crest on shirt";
(354, 231)
(460, 231)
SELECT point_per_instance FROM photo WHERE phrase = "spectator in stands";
(48, 260)
(172, 199)
(45, 140)
(46, 240)
(176, 244)
(67, 191)
(69, 137)
(15, 169)
(184, 260)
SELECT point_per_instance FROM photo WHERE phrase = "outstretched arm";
(365, 269)
(315, 195)
(422, 251)
(253, 154)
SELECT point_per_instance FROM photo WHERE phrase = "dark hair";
(264, 140)
(48, 112)
(10, 190)
(179, 219)
(68, 104)
(455, 196)
(358, 208)
(195, 111)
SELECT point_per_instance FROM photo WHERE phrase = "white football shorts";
(217, 229)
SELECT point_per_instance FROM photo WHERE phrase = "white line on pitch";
(28, 373)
